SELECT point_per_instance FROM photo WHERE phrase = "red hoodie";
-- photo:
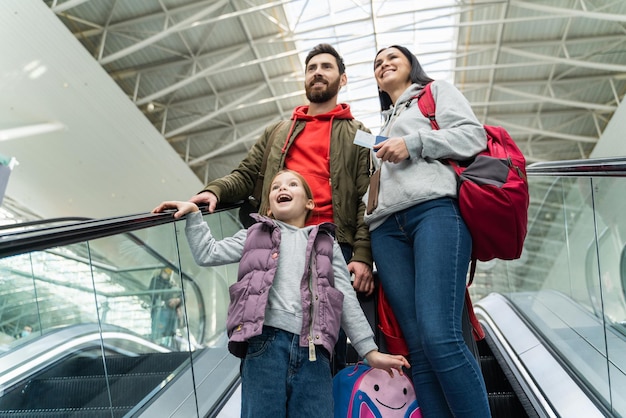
(309, 155)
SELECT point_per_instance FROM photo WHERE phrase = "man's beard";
(322, 96)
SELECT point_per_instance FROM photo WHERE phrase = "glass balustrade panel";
(606, 294)
(569, 282)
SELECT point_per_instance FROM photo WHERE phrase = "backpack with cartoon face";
(364, 392)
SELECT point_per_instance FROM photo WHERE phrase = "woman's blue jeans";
(422, 255)
(278, 379)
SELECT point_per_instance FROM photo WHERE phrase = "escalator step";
(77, 392)
(118, 364)
(506, 405)
(115, 412)
(495, 379)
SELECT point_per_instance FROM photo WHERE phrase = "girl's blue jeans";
(422, 255)
(278, 379)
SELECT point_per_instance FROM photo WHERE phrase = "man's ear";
(343, 80)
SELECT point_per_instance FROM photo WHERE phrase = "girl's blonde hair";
(305, 186)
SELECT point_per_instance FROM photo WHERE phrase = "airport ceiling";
(211, 74)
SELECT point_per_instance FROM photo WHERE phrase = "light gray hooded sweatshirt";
(284, 309)
(423, 176)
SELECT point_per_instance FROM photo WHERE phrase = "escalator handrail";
(593, 167)
(50, 237)
(24, 229)
(37, 222)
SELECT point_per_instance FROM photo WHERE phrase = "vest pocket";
(236, 308)
(331, 307)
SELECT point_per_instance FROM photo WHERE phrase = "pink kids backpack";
(364, 392)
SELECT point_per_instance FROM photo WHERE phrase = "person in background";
(164, 309)
(292, 295)
(420, 243)
(26, 331)
(317, 143)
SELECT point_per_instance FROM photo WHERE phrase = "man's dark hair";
(326, 49)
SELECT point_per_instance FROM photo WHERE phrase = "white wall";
(613, 140)
(108, 160)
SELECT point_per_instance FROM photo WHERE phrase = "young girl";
(292, 295)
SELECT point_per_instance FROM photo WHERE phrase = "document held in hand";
(367, 140)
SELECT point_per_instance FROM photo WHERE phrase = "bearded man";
(318, 143)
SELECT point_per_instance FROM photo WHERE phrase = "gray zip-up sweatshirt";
(423, 176)
(284, 307)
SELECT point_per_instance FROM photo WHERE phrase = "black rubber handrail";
(41, 239)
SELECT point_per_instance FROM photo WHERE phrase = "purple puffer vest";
(321, 309)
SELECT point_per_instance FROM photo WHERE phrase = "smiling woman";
(416, 229)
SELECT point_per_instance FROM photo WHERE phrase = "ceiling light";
(30, 130)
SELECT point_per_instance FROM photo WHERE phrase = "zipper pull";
(312, 356)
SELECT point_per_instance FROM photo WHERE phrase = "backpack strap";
(426, 103)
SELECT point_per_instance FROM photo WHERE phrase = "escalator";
(79, 371)
(542, 375)
(83, 287)
(78, 386)
(555, 319)
(504, 400)
(64, 373)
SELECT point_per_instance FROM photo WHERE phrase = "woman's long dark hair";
(417, 75)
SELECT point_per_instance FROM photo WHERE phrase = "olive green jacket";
(349, 177)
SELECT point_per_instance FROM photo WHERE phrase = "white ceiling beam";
(587, 14)
(257, 55)
(188, 23)
(187, 61)
(169, 64)
(542, 132)
(182, 25)
(566, 61)
(212, 115)
(132, 23)
(67, 5)
(188, 80)
(240, 88)
(562, 102)
(494, 59)
(214, 69)
(220, 151)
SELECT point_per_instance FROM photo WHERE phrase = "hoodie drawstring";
(293, 125)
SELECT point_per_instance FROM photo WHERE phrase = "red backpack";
(493, 192)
